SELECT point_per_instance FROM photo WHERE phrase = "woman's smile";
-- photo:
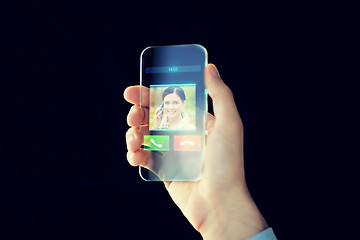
(173, 105)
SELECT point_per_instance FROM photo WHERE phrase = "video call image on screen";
(172, 107)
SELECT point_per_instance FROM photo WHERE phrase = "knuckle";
(128, 132)
(145, 115)
(228, 91)
(129, 116)
(128, 156)
(131, 131)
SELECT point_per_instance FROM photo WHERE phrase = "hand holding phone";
(222, 187)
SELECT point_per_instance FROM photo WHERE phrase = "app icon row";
(181, 143)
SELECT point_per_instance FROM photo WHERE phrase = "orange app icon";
(187, 143)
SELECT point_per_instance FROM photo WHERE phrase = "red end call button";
(187, 143)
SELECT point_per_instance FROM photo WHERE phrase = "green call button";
(156, 142)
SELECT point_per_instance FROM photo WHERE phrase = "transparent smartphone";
(172, 80)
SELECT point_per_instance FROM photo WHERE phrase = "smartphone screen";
(174, 138)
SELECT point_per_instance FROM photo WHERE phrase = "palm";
(188, 195)
(220, 171)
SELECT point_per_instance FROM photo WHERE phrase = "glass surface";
(174, 139)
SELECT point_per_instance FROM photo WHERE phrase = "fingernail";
(214, 71)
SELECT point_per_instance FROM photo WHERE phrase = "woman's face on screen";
(173, 105)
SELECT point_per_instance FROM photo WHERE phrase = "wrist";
(233, 220)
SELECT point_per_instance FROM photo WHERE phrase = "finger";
(138, 116)
(132, 95)
(167, 184)
(223, 100)
(210, 121)
(137, 158)
(209, 117)
(134, 139)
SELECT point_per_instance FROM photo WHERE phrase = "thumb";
(223, 101)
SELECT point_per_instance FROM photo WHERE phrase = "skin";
(219, 206)
(173, 106)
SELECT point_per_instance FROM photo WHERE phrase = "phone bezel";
(204, 62)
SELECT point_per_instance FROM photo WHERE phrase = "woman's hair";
(174, 89)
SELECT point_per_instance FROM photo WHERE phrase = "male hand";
(219, 206)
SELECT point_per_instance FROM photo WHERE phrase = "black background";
(64, 173)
